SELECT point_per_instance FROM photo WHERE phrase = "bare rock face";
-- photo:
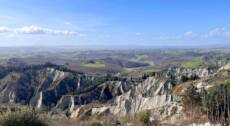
(50, 86)
(39, 103)
(150, 94)
(55, 88)
(155, 92)
(7, 88)
(225, 67)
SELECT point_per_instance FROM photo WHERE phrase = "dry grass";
(105, 119)
(138, 119)
(25, 117)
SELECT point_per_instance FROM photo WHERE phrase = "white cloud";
(68, 23)
(189, 34)
(36, 30)
(214, 33)
(4, 29)
(217, 32)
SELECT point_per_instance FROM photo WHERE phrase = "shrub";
(137, 119)
(127, 119)
(24, 117)
(96, 124)
(144, 118)
(191, 98)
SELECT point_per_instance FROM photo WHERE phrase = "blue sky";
(114, 22)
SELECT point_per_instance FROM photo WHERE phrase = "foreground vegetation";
(138, 119)
(24, 117)
(214, 103)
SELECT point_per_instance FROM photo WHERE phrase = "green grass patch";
(94, 65)
(140, 72)
(192, 64)
(150, 70)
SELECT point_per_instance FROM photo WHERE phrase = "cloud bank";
(222, 33)
(217, 32)
(36, 30)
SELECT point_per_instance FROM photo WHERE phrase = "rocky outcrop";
(56, 88)
(150, 94)
(156, 94)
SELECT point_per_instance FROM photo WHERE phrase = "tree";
(216, 103)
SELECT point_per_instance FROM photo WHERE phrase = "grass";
(151, 70)
(94, 65)
(192, 64)
(137, 119)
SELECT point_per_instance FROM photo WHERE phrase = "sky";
(114, 22)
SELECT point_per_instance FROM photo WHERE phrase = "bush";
(24, 117)
(137, 119)
(96, 124)
(191, 98)
(144, 118)
(127, 119)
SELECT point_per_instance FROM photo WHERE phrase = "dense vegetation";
(214, 102)
(24, 117)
